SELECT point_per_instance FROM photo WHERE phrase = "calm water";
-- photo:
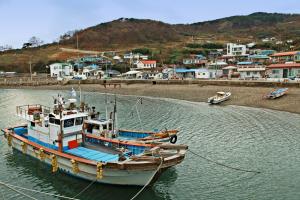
(248, 138)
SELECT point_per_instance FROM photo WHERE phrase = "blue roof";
(245, 63)
(182, 70)
(267, 52)
(259, 56)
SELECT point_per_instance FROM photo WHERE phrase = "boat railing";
(29, 112)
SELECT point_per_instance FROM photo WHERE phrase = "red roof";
(148, 62)
(290, 53)
(286, 65)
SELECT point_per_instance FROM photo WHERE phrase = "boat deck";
(91, 154)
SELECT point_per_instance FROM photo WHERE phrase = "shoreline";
(241, 95)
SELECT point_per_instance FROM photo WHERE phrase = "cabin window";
(32, 124)
(109, 126)
(104, 126)
(68, 123)
(79, 121)
(46, 123)
(89, 128)
(52, 120)
(57, 121)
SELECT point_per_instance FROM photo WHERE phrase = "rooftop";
(148, 61)
(289, 53)
(285, 65)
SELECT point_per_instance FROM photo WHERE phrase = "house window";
(275, 71)
(248, 73)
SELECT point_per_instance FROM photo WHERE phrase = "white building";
(202, 73)
(137, 56)
(146, 64)
(60, 70)
(236, 49)
(251, 72)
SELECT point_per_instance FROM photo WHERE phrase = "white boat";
(219, 97)
(277, 93)
(55, 137)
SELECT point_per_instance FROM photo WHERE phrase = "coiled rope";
(224, 165)
(149, 181)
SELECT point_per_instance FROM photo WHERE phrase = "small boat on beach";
(277, 93)
(219, 97)
(63, 138)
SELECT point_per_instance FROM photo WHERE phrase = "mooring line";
(224, 165)
(149, 181)
(12, 187)
(17, 191)
(87, 187)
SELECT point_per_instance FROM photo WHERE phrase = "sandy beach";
(242, 96)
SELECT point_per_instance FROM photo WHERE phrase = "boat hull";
(213, 100)
(135, 175)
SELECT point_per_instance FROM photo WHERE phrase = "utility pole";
(77, 45)
(30, 63)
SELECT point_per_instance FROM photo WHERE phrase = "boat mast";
(106, 116)
(114, 114)
(60, 135)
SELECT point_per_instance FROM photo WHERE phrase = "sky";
(48, 19)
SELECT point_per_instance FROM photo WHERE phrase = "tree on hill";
(33, 42)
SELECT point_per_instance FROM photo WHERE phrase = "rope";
(227, 166)
(17, 191)
(149, 181)
(85, 188)
(12, 187)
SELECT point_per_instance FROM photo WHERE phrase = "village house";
(229, 72)
(136, 56)
(198, 60)
(250, 70)
(133, 74)
(282, 57)
(258, 58)
(284, 70)
(236, 49)
(61, 70)
(146, 64)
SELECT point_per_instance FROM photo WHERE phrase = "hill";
(167, 40)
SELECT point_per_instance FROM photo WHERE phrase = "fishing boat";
(277, 93)
(56, 137)
(219, 97)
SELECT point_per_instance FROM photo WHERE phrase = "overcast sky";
(47, 19)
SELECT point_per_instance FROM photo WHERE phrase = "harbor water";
(247, 138)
